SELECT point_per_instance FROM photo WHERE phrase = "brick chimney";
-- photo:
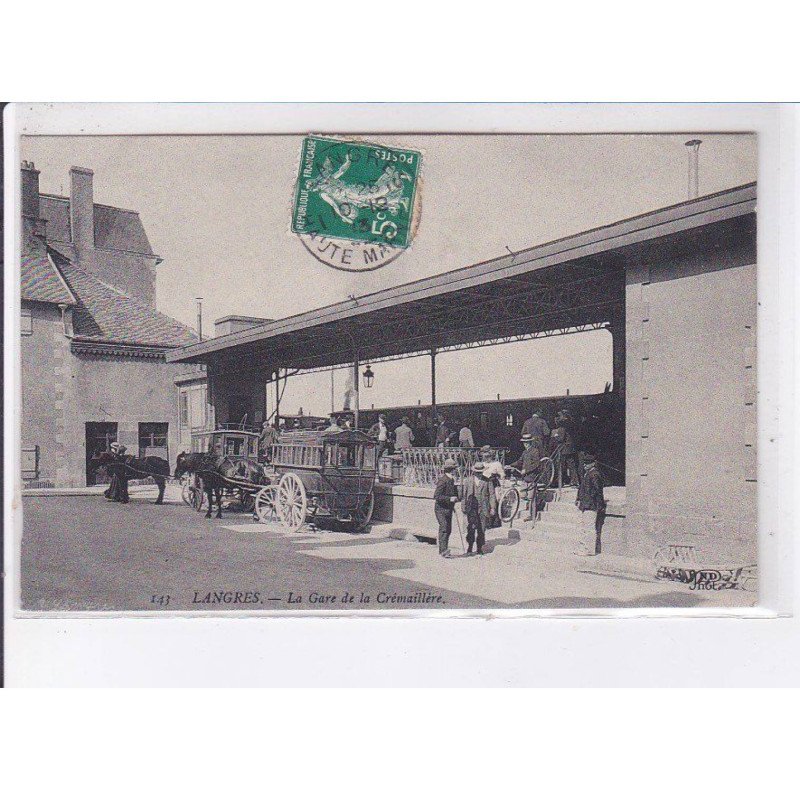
(30, 190)
(81, 207)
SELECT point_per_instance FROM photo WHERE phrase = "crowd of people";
(479, 492)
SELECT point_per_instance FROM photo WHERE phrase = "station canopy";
(571, 284)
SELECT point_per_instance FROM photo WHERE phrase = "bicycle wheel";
(509, 504)
(547, 473)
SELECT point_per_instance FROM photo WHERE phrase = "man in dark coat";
(443, 433)
(592, 505)
(479, 503)
(564, 435)
(528, 466)
(445, 497)
(537, 429)
(267, 438)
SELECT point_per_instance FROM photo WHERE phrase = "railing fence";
(422, 466)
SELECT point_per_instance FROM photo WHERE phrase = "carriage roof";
(231, 440)
(319, 438)
(326, 451)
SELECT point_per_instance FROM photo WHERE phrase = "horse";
(204, 465)
(218, 474)
(149, 466)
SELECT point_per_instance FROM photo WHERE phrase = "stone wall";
(62, 391)
(691, 415)
(43, 355)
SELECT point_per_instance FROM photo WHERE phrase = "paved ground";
(84, 553)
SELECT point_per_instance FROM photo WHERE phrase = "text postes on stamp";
(354, 201)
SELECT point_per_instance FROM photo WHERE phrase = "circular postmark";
(350, 256)
(357, 204)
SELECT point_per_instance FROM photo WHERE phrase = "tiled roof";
(118, 229)
(104, 313)
(114, 228)
(40, 279)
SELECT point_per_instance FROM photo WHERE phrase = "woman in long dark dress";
(118, 490)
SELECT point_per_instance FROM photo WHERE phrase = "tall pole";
(277, 396)
(355, 391)
(433, 394)
(694, 167)
(199, 318)
(333, 409)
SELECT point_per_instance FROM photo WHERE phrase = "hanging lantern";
(369, 377)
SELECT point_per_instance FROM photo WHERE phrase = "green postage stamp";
(356, 191)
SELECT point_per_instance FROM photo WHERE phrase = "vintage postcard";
(385, 372)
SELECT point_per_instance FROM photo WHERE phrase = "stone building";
(92, 343)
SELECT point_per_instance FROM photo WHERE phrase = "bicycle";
(515, 489)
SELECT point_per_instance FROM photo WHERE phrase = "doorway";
(99, 436)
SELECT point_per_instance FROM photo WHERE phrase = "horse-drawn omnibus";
(318, 475)
(311, 475)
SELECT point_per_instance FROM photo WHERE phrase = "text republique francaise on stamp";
(356, 203)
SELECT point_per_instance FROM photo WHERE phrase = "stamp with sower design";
(355, 203)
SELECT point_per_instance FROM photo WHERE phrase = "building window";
(30, 463)
(510, 420)
(153, 439)
(26, 322)
(184, 410)
(484, 420)
(194, 409)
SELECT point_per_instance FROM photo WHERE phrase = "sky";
(217, 209)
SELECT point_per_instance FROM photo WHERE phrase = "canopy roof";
(568, 283)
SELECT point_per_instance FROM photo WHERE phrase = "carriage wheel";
(292, 502)
(363, 514)
(266, 508)
(509, 504)
(547, 473)
(198, 494)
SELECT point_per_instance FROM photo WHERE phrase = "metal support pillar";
(434, 421)
(355, 392)
(277, 396)
(617, 329)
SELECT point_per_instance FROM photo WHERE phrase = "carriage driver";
(267, 437)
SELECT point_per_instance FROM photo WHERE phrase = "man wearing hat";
(479, 504)
(592, 505)
(443, 433)
(445, 497)
(380, 433)
(267, 438)
(528, 466)
(564, 435)
(537, 429)
(494, 472)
